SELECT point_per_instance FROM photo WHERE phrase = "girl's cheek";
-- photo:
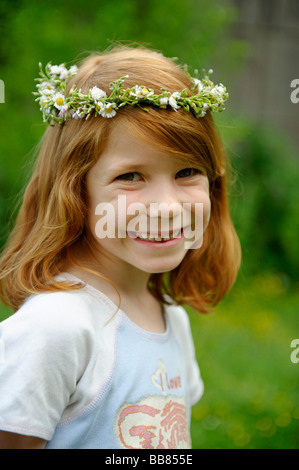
(203, 210)
(206, 213)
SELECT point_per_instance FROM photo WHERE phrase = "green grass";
(251, 397)
(4, 312)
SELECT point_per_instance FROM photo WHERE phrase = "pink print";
(141, 431)
(144, 432)
(154, 427)
(175, 420)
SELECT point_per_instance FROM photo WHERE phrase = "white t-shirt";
(72, 378)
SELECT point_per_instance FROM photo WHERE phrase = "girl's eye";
(187, 172)
(132, 176)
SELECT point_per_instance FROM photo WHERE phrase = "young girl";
(99, 353)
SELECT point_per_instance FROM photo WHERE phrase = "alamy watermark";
(295, 353)
(2, 92)
(160, 222)
(295, 93)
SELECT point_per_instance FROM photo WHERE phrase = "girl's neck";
(127, 290)
(110, 278)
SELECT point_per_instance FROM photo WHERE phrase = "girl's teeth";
(157, 239)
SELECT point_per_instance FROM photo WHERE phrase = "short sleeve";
(196, 385)
(42, 355)
(180, 323)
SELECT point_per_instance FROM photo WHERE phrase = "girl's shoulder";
(175, 312)
(47, 346)
(179, 321)
(57, 328)
(60, 314)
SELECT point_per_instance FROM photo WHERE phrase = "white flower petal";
(58, 100)
(97, 93)
(55, 70)
(73, 70)
(172, 101)
(198, 84)
(163, 102)
(108, 110)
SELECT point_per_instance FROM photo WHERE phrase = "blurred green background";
(244, 349)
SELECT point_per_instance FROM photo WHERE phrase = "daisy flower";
(58, 100)
(218, 91)
(78, 114)
(63, 111)
(198, 84)
(99, 107)
(45, 88)
(44, 102)
(59, 71)
(55, 70)
(108, 110)
(173, 102)
(73, 70)
(141, 92)
(163, 102)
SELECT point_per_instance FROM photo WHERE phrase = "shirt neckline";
(104, 298)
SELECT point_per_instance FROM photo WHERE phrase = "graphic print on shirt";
(161, 380)
(157, 421)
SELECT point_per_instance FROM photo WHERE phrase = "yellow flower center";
(145, 91)
(109, 108)
(59, 101)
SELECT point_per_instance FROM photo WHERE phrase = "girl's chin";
(160, 267)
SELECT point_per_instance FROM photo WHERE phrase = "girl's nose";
(165, 209)
(164, 205)
(163, 189)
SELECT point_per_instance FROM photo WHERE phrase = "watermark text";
(158, 221)
(295, 93)
(295, 353)
(2, 92)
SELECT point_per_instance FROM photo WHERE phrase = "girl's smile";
(146, 176)
(161, 240)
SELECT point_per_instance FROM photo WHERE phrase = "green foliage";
(265, 198)
(251, 384)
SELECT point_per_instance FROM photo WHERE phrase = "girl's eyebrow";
(127, 167)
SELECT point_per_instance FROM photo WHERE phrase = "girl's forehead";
(124, 149)
(123, 143)
(140, 137)
(127, 153)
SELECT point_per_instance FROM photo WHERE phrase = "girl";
(99, 353)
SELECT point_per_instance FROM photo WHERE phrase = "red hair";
(51, 224)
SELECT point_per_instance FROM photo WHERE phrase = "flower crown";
(56, 106)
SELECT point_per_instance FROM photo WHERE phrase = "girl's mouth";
(169, 239)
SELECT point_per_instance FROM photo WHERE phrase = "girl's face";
(144, 203)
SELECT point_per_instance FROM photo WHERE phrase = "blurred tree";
(265, 199)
